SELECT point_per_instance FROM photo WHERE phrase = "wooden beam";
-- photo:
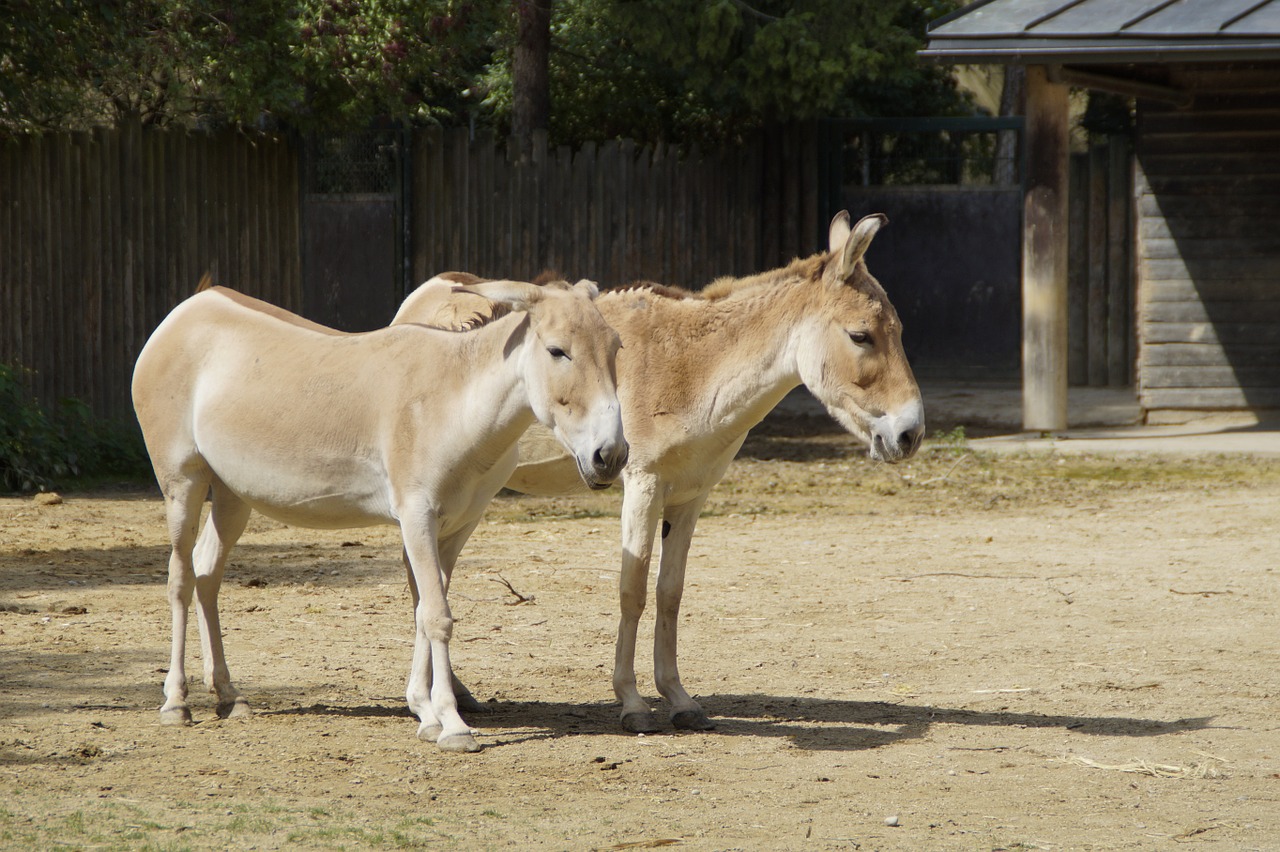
(1044, 256)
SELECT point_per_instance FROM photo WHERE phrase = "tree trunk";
(1013, 101)
(532, 103)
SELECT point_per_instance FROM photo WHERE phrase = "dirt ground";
(960, 653)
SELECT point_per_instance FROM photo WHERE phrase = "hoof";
(429, 732)
(692, 720)
(175, 716)
(640, 722)
(459, 743)
(238, 709)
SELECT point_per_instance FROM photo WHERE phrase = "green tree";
(710, 70)
(305, 63)
(674, 70)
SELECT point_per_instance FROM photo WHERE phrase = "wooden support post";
(1044, 256)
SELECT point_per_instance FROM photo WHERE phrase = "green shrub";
(41, 450)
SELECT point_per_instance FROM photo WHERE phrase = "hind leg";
(183, 499)
(227, 520)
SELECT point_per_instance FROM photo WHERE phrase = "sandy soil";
(958, 653)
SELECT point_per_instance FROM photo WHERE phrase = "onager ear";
(516, 295)
(839, 231)
(859, 241)
(587, 287)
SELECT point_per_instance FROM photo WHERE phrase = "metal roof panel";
(1100, 18)
(1264, 20)
(1192, 18)
(996, 17)
(1095, 17)
(1108, 31)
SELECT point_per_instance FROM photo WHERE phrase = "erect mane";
(463, 314)
(666, 291)
(723, 287)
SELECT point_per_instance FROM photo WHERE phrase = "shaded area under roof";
(1107, 31)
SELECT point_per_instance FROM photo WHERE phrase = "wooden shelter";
(1205, 77)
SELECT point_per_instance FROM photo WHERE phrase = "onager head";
(854, 362)
(569, 370)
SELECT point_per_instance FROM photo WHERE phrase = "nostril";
(597, 459)
(909, 439)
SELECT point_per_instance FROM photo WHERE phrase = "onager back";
(408, 425)
(696, 372)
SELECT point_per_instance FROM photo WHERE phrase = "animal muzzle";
(607, 461)
(894, 439)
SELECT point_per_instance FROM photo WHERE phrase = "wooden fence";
(613, 212)
(102, 233)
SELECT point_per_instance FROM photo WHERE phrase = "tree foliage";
(301, 63)
(712, 69)
(675, 70)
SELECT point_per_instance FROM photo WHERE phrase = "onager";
(696, 372)
(410, 426)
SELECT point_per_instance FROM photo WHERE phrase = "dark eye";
(860, 337)
(556, 352)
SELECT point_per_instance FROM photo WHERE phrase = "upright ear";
(516, 295)
(859, 241)
(587, 287)
(839, 231)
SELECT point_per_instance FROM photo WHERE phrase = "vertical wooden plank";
(177, 267)
(8, 239)
(540, 228)
(1097, 310)
(151, 241)
(436, 202)
(90, 329)
(1044, 256)
(62, 192)
(25, 195)
(244, 212)
(113, 261)
(1119, 292)
(1140, 189)
(1078, 271)
(132, 226)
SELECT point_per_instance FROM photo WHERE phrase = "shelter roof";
(1107, 31)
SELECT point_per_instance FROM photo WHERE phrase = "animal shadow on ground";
(809, 723)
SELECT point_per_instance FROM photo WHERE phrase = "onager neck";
(496, 405)
(749, 348)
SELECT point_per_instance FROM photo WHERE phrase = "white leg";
(182, 503)
(677, 535)
(449, 550)
(439, 719)
(640, 510)
(227, 520)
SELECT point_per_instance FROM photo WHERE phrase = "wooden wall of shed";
(1208, 244)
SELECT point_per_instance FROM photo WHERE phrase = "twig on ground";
(520, 599)
(934, 479)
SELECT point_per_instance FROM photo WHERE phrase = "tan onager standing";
(696, 372)
(410, 426)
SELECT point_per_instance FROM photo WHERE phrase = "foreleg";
(430, 690)
(449, 551)
(641, 506)
(677, 534)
